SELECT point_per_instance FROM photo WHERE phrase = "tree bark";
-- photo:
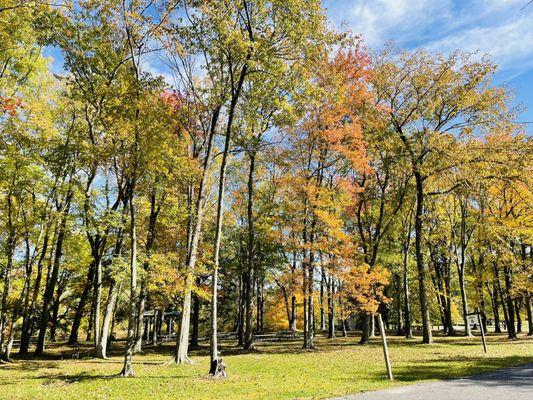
(331, 308)
(495, 306)
(195, 320)
(73, 338)
(511, 329)
(529, 315)
(408, 331)
(426, 321)
(181, 353)
(213, 332)
(28, 315)
(127, 369)
(248, 336)
(51, 284)
(101, 347)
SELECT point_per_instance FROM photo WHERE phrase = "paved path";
(515, 383)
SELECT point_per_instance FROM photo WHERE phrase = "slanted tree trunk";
(29, 310)
(181, 353)
(55, 308)
(101, 348)
(54, 273)
(73, 338)
(215, 369)
(89, 335)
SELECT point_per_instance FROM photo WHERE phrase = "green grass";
(273, 371)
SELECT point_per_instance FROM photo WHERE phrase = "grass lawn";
(273, 371)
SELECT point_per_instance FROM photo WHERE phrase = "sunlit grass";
(273, 371)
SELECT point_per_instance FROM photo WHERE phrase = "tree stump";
(218, 369)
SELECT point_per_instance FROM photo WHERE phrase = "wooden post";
(482, 330)
(385, 348)
(155, 327)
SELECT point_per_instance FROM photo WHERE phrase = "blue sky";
(499, 28)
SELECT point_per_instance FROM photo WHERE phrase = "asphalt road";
(515, 383)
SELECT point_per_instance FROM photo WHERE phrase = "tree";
(432, 99)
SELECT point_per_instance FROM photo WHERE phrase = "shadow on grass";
(435, 368)
(56, 351)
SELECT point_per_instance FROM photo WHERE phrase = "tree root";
(185, 361)
(218, 369)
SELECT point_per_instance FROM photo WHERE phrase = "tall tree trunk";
(248, 336)
(399, 312)
(195, 320)
(181, 353)
(248, 309)
(97, 299)
(286, 302)
(51, 284)
(215, 362)
(495, 306)
(464, 301)
(331, 308)
(518, 303)
(529, 307)
(511, 329)
(73, 338)
(89, 335)
(55, 313)
(127, 369)
(426, 321)
(406, 293)
(310, 334)
(241, 311)
(322, 291)
(292, 324)
(5, 292)
(10, 250)
(28, 315)
(139, 323)
(365, 334)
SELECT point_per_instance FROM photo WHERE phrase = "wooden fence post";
(385, 348)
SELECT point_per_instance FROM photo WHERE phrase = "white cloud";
(383, 20)
(153, 66)
(510, 45)
(495, 27)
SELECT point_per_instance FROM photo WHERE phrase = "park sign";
(475, 318)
